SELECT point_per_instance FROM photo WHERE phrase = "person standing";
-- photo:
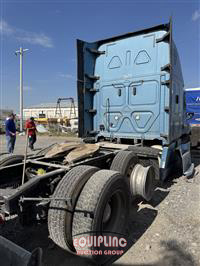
(31, 131)
(10, 133)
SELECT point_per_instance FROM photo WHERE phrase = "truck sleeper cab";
(130, 89)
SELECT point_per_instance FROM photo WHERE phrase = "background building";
(49, 110)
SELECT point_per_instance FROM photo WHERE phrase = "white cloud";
(196, 15)
(5, 28)
(35, 38)
(25, 36)
(67, 76)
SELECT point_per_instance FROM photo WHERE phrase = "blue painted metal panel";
(193, 106)
(140, 91)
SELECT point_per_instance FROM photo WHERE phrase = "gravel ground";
(164, 232)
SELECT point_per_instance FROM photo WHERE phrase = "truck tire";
(11, 178)
(60, 215)
(144, 162)
(11, 159)
(124, 162)
(102, 207)
(154, 163)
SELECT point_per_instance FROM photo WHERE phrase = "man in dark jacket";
(31, 131)
(10, 133)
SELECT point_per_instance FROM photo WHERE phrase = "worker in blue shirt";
(10, 133)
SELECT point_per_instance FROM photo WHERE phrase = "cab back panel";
(129, 88)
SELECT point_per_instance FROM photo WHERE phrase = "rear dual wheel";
(124, 162)
(101, 210)
(60, 213)
(139, 174)
(100, 203)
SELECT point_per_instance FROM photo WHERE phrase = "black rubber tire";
(12, 159)
(154, 163)
(103, 187)
(60, 215)
(124, 162)
(144, 162)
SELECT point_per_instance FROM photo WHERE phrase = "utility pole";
(21, 52)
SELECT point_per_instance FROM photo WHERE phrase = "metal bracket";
(166, 82)
(67, 200)
(92, 77)
(164, 135)
(92, 111)
(167, 109)
(166, 68)
(164, 38)
(95, 52)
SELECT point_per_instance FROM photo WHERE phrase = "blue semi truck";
(132, 122)
(192, 97)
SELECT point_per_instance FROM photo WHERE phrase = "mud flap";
(12, 254)
(188, 166)
(167, 162)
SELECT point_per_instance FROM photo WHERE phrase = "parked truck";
(192, 96)
(132, 122)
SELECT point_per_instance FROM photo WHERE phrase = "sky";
(49, 30)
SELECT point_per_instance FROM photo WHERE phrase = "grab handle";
(134, 91)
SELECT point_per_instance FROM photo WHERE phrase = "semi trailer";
(192, 97)
(132, 123)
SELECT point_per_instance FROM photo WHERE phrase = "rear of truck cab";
(130, 87)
